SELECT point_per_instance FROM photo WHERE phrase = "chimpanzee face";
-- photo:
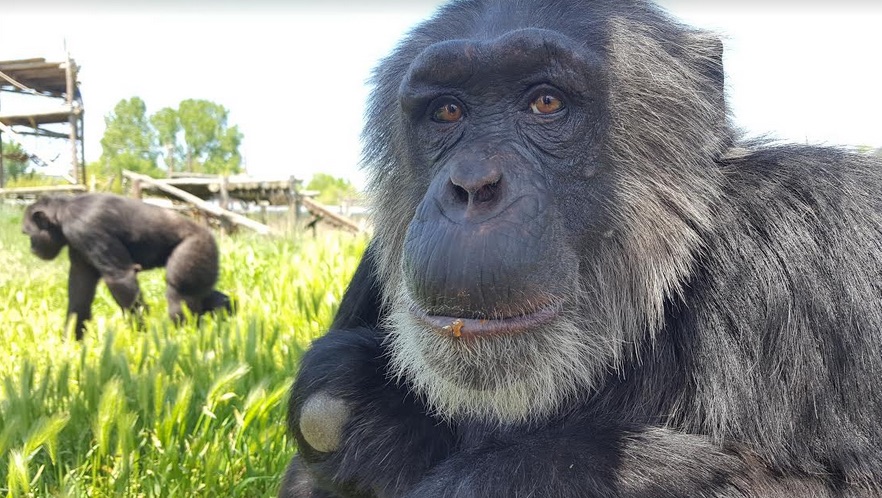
(47, 240)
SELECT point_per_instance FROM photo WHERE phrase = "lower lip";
(467, 328)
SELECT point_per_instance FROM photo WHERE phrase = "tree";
(195, 137)
(129, 142)
(332, 190)
(210, 146)
(167, 127)
(16, 162)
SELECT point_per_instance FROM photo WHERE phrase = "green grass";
(163, 411)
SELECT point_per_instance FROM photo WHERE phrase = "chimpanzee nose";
(475, 188)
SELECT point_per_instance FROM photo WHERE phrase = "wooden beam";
(211, 209)
(329, 216)
(29, 66)
(22, 61)
(56, 92)
(59, 114)
(37, 191)
(40, 132)
(2, 171)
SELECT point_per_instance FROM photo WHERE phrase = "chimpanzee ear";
(41, 220)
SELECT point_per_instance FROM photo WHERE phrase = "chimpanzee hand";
(358, 432)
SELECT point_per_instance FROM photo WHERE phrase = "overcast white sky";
(293, 77)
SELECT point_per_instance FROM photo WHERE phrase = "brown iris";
(448, 113)
(546, 104)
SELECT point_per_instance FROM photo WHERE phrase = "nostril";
(487, 193)
(460, 194)
(473, 184)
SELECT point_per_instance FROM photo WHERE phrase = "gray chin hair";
(519, 378)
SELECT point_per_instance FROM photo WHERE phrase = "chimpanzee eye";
(546, 104)
(449, 112)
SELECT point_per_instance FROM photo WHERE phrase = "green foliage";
(103, 182)
(195, 411)
(167, 126)
(16, 163)
(35, 179)
(210, 146)
(19, 172)
(129, 141)
(195, 137)
(332, 190)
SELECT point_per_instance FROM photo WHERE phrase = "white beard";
(517, 378)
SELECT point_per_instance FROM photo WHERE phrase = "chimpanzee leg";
(213, 301)
(81, 283)
(124, 288)
(216, 300)
(298, 483)
(175, 304)
(191, 272)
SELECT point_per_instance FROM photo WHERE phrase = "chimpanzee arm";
(360, 306)
(584, 458)
(385, 443)
(342, 394)
(125, 289)
(81, 283)
(111, 258)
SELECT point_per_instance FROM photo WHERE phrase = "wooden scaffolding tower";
(54, 83)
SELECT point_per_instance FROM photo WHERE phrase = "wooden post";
(263, 205)
(293, 205)
(82, 138)
(136, 188)
(72, 120)
(170, 158)
(227, 226)
(2, 171)
(224, 192)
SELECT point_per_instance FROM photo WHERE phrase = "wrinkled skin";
(112, 238)
(582, 283)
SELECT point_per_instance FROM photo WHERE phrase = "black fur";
(617, 297)
(113, 238)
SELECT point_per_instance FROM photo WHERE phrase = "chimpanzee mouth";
(468, 328)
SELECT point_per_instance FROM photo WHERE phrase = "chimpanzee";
(113, 238)
(584, 283)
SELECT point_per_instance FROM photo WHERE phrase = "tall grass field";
(190, 411)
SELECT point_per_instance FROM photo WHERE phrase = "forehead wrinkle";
(448, 63)
(516, 56)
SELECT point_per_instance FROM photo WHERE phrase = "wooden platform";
(41, 83)
(277, 192)
(49, 78)
(29, 193)
(34, 119)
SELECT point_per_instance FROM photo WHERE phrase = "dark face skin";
(46, 237)
(497, 126)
